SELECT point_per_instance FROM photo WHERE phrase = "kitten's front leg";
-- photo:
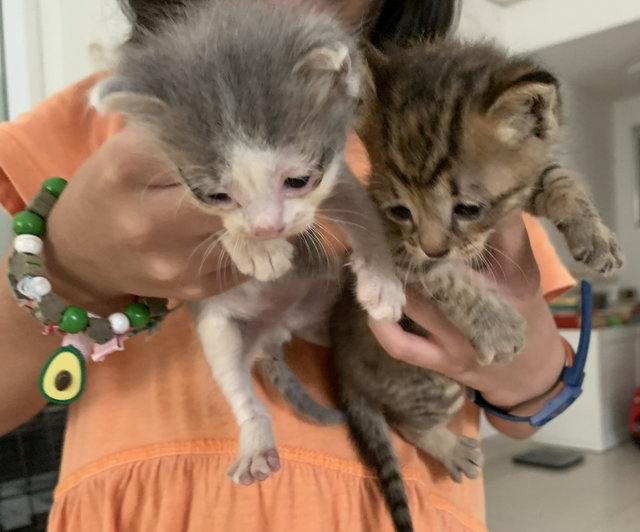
(495, 330)
(561, 198)
(223, 349)
(265, 260)
(378, 289)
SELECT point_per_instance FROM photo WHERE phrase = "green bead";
(28, 223)
(74, 319)
(138, 314)
(54, 186)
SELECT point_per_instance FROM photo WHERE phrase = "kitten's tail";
(370, 433)
(278, 372)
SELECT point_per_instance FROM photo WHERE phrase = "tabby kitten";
(252, 104)
(460, 136)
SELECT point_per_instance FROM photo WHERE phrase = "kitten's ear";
(376, 60)
(113, 94)
(529, 107)
(330, 67)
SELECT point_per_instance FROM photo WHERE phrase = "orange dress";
(148, 443)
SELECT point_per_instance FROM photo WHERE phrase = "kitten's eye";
(297, 182)
(220, 198)
(467, 211)
(400, 212)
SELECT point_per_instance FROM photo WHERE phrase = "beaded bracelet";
(86, 335)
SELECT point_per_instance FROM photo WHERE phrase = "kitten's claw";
(265, 260)
(499, 332)
(256, 467)
(466, 458)
(380, 293)
(258, 457)
(594, 245)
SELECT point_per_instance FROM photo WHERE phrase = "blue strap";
(572, 376)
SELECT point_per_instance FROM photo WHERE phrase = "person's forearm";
(23, 353)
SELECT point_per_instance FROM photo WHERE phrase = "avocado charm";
(63, 376)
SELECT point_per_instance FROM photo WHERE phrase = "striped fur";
(451, 129)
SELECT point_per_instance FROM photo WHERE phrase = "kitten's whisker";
(313, 231)
(210, 249)
(495, 261)
(507, 257)
(304, 239)
(333, 236)
(214, 236)
(348, 211)
(338, 222)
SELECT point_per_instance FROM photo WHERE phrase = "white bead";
(40, 286)
(119, 322)
(28, 244)
(33, 287)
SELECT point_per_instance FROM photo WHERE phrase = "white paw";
(265, 261)
(254, 467)
(379, 292)
(258, 457)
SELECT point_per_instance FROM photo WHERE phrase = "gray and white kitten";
(460, 136)
(252, 103)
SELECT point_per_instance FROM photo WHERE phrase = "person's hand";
(126, 224)
(512, 270)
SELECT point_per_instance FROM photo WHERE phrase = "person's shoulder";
(53, 138)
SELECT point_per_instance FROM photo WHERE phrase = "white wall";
(589, 145)
(536, 24)
(69, 27)
(482, 19)
(47, 44)
(22, 50)
(627, 175)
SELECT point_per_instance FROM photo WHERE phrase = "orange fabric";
(147, 445)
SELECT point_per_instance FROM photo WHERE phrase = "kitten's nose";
(437, 254)
(268, 232)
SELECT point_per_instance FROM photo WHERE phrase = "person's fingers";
(407, 347)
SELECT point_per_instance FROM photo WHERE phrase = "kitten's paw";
(255, 467)
(380, 293)
(465, 458)
(265, 261)
(499, 332)
(593, 244)
(258, 457)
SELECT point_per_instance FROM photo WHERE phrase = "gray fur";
(278, 372)
(242, 97)
(224, 75)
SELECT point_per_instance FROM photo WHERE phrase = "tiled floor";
(600, 495)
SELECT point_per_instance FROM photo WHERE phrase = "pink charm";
(100, 351)
(80, 342)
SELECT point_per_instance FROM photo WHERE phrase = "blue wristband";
(572, 376)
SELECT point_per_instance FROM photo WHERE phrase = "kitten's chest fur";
(291, 301)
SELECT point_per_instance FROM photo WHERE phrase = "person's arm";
(124, 224)
(22, 355)
(531, 375)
